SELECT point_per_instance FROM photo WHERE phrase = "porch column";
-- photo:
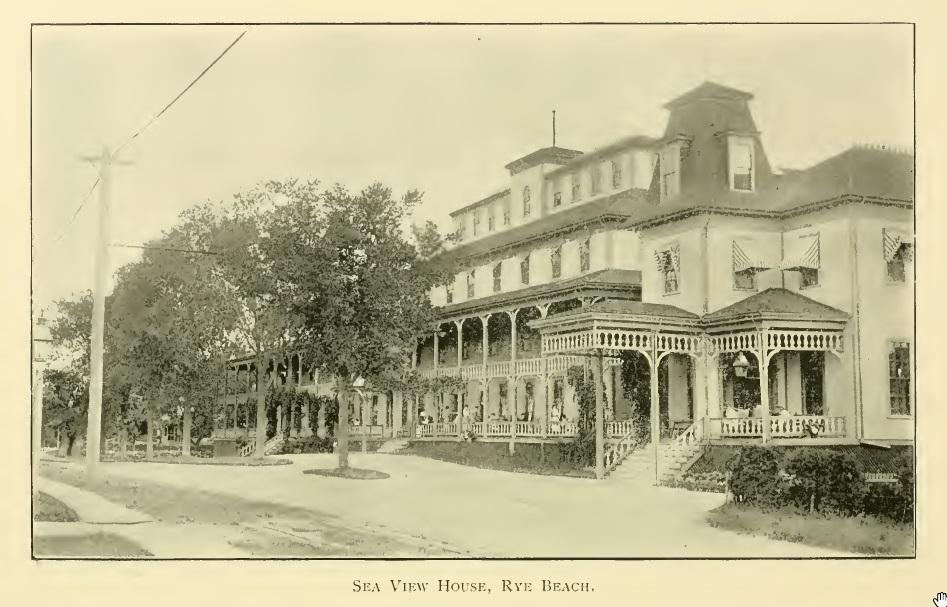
(597, 377)
(437, 355)
(608, 379)
(700, 386)
(764, 385)
(655, 406)
(485, 321)
(383, 409)
(511, 398)
(397, 410)
(512, 314)
(541, 403)
(793, 383)
(460, 341)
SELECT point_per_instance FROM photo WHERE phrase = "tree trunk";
(261, 386)
(186, 433)
(123, 443)
(366, 421)
(149, 438)
(342, 432)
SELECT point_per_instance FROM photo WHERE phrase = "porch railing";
(366, 430)
(496, 429)
(615, 453)
(796, 426)
(505, 368)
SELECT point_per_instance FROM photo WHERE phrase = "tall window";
(557, 199)
(476, 222)
(471, 279)
(668, 164)
(576, 188)
(585, 260)
(461, 229)
(669, 265)
(899, 377)
(595, 176)
(506, 212)
(555, 259)
(491, 220)
(450, 294)
(897, 252)
(524, 270)
(616, 174)
(741, 165)
(527, 205)
(497, 277)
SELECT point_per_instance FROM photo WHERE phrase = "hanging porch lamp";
(741, 365)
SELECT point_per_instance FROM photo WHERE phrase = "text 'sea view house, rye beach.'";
(623, 292)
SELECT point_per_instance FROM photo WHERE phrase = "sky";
(437, 108)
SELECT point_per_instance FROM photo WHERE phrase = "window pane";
(742, 166)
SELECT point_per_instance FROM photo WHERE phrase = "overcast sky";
(440, 109)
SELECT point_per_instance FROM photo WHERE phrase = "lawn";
(48, 509)
(860, 535)
(529, 457)
(105, 545)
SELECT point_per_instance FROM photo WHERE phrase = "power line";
(151, 121)
(172, 249)
(181, 94)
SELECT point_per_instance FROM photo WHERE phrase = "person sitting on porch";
(784, 412)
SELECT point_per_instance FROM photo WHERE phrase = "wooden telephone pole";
(104, 163)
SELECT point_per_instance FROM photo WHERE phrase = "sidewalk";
(90, 507)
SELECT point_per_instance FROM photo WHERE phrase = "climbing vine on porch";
(581, 450)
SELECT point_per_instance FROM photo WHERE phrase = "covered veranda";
(761, 341)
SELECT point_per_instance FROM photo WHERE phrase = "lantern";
(740, 365)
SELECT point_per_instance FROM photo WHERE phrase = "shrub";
(755, 478)
(893, 500)
(309, 444)
(823, 479)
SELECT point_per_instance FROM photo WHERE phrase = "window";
(803, 256)
(669, 265)
(899, 377)
(595, 176)
(524, 270)
(808, 277)
(527, 205)
(506, 213)
(584, 256)
(897, 252)
(668, 164)
(497, 277)
(471, 278)
(741, 165)
(557, 199)
(555, 259)
(461, 229)
(616, 174)
(744, 280)
(450, 294)
(476, 222)
(748, 259)
(491, 220)
(576, 188)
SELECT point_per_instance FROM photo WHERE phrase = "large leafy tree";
(358, 277)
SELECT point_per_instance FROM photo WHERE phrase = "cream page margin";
(706, 583)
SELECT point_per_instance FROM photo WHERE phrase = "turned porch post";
(437, 354)
(460, 341)
(655, 404)
(511, 390)
(763, 357)
(598, 376)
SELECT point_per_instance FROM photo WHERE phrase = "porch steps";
(392, 446)
(674, 459)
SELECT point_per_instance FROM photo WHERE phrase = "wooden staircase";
(675, 457)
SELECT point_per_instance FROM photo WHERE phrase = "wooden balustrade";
(796, 426)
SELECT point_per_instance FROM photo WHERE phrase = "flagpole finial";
(554, 128)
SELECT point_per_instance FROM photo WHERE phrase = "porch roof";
(623, 307)
(778, 304)
(619, 283)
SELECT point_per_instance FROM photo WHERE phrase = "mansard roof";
(709, 90)
(552, 155)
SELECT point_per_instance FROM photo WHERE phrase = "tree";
(66, 403)
(358, 281)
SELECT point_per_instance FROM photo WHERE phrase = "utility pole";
(94, 428)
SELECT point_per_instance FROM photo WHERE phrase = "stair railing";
(616, 452)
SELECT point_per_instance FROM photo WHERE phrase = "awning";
(803, 254)
(747, 258)
(668, 260)
(896, 241)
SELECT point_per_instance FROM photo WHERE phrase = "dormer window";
(497, 277)
(616, 174)
(555, 259)
(741, 164)
(669, 164)
(527, 205)
(576, 188)
(471, 279)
